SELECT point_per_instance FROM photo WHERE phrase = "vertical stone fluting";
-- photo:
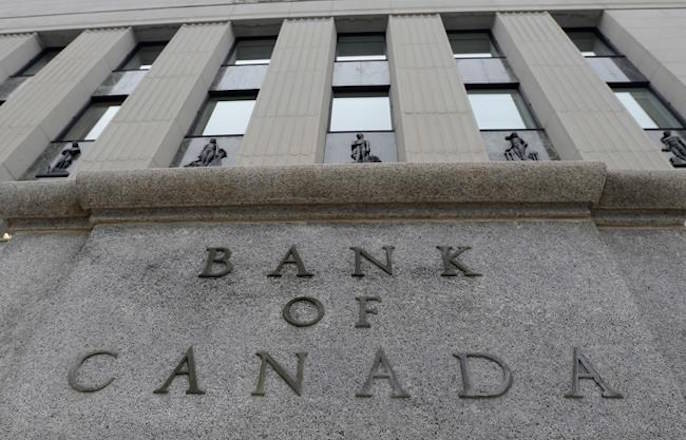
(290, 119)
(152, 122)
(579, 111)
(16, 50)
(45, 105)
(432, 115)
(655, 42)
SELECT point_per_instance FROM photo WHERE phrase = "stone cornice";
(353, 192)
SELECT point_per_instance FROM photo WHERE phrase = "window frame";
(646, 86)
(361, 34)
(600, 36)
(361, 92)
(223, 95)
(234, 49)
(505, 88)
(491, 39)
(110, 99)
(21, 72)
(130, 56)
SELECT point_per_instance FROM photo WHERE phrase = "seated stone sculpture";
(518, 147)
(210, 156)
(361, 150)
(68, 155)
(674, 144)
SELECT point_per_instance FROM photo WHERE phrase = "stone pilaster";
(45, 105)
(579, 111)
(289, 122)
(16, 51)
(655, 42)
(432, 116)
(152, 122)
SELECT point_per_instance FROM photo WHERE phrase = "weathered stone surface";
(652, 262)
(545, 287)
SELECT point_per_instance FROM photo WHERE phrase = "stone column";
(655, 42)
(432, 116)
(290, 119)
(151, 124)
(16, 50)
(46, 104)
(579, 111)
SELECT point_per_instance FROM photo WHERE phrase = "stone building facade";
(343, 219)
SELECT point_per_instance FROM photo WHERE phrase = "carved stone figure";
(360, 150)
(68, 154)
(517, 150)
(210, 156)
(674, 144)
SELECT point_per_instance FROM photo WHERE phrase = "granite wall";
(545, 288)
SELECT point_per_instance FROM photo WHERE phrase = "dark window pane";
(40, 61)
(472, 45)
(143, 57)
(590, 44)
(252, 51)
(361, 47)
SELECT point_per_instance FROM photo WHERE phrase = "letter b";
(217, 256)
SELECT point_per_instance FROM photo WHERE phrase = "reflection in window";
(224, 117)
(472, 45)
(92, 122)
(647, 109)
(143, 57)
(369, 112)
(363, 47)
(590, 44)
(500, 110)
(251, 51)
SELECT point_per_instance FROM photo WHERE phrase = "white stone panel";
(433, 118)
(289, 122)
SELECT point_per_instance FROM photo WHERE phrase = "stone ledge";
(351, 191)
(492, 183)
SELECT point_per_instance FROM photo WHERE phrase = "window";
(39, 62)
(360, 112)
(361, 47)
(224, 117)
(92, 122)
(34, 66)
(472, 45)
(646, 108)
(590, 44)
(251, 51)
(143, 57)
(500, 110)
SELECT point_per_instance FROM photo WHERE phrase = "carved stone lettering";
(186, 367)
(583, 369)
(364, 310)
(291, 257)
(381, 363)
(75, 369)
(359, 253)
(450, 262)
(468, 391)
(217, 256)
(295, 384)
(288, 316)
